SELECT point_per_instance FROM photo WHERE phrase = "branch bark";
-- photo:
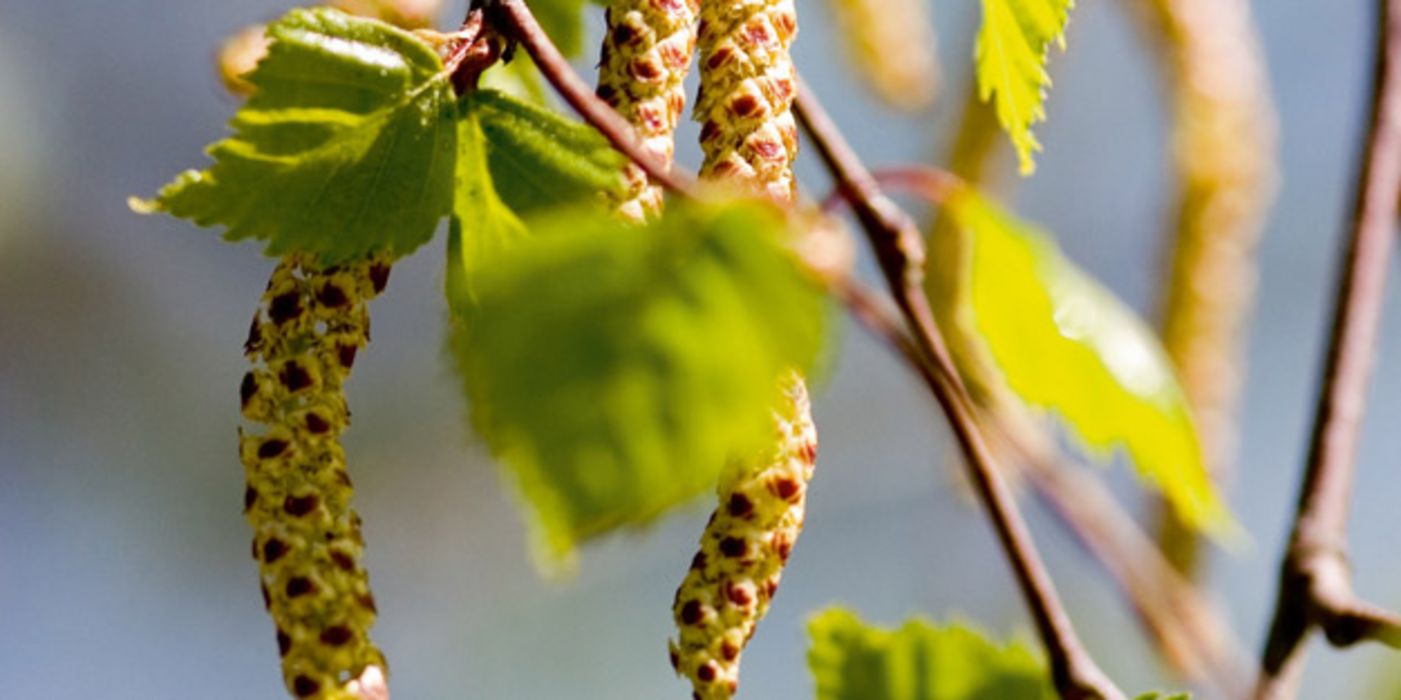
(1315, 590)
(899, 250)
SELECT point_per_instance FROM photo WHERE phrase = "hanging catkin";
(1223, 148)
(746, 543)
(307, 541)
(747, 86)
(647, 50)
(892, 45)
(749, 138)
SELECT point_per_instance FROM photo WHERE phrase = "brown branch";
(1314, 587)
(1187, 629)
(899, 250)
(514, 19)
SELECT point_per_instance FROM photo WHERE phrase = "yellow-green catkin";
(648, 48)
(735, 574)
(311, 324)
(747, 86)
(893, 47)
(1224, 154)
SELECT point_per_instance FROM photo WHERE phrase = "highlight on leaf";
(344, 148)
(1010, 55)
(919, 661)
(1018, 312)
(615, 372)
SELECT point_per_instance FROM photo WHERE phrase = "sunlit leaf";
(919, 661)
(345, 147)
(540, 159)
(1010, 54)
(1019, 312)
(482, 226)
(614, 370)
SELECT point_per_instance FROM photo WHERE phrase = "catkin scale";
(307, 540)
(735, 574)
(648, 47)
(892, 45)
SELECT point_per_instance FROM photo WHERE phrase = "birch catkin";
(893, 46)
(307, 541)
(746, 543)
(1223, 147)
(749, 138)
(747, 86)
(647, 50)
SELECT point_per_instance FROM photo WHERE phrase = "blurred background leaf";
(918, 661)
(1025, 315)
(616, 370)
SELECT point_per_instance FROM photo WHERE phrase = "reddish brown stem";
(1314, 588)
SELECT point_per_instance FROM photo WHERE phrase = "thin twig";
(1314, 587)
(515, 20)
(899, 250)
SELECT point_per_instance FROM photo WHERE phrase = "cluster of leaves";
(613, 370)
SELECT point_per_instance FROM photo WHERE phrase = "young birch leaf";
(1018, 310)
(540, 159)
(1010, 55)
(482, 226)
(345, 147)
(920, 661)
(614, 373)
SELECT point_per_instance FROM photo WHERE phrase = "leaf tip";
(144, 206)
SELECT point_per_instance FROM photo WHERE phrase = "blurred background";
(124, 566)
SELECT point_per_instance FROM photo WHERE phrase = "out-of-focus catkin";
(307, 540)
(1224, 154)
(747, 86)
(746, 543)
(893, 47)
(648, 48)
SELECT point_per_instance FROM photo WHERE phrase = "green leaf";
(919, 661)
(346, 147)
(614, 370)
(1159, 696)
(482, 226)
(1017, 311)
(540, 159)
(1011, 53)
